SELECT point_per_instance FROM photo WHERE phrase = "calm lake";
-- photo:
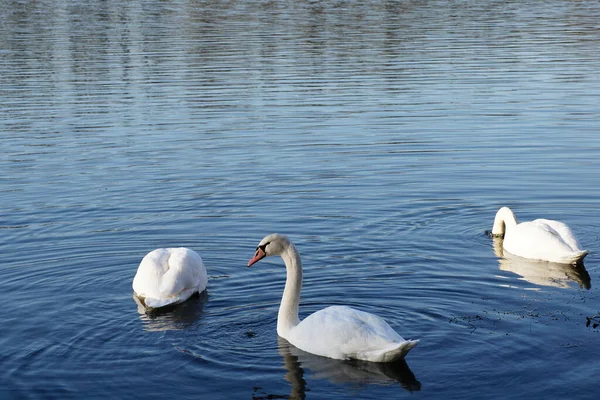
(380, 136)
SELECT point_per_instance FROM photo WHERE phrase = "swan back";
(539, 240)
(169, 276)
(562, 230)
(342, 332)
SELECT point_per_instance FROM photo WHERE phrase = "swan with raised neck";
(336, 332)
(288, 309)
(540, 239)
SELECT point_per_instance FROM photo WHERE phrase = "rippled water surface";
(380, 136)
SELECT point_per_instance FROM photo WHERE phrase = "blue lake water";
(381, 136)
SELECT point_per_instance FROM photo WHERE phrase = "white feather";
(169, 276)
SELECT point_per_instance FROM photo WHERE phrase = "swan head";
(271, 245)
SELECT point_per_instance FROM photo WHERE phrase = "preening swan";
(169, 276)
(541, 239)
(336, 332)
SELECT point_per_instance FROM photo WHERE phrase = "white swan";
(541, 239)
(336, 332)
(169, 276)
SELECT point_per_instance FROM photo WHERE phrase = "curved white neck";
(288, 310)
(504, 220)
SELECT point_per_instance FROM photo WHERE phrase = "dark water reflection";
(542, 273)
(352, 372)
(172, 318)
(382, 136)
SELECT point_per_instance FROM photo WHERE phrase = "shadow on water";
(175, 317)
(341, 371)
(542, 273)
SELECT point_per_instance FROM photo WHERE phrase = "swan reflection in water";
(341, 371)
(175, 317)
(542, 273)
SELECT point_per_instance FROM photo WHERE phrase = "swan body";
(541, 239)
(337, 332)
(169, 276)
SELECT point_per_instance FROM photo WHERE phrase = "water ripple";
(380, 136)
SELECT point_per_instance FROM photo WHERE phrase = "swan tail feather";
(150, 302)
(398, 352)
(578, 256)
(574, 257)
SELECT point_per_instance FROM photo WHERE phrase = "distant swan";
(337, 332)
(169, 276)
(541, 239)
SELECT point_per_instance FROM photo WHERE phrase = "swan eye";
(263, 247)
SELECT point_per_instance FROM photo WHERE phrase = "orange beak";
(259, 255)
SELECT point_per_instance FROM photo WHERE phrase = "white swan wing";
(539, 240)
(345, 333)
(149, 273)
(562, 230)
(185, 271)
